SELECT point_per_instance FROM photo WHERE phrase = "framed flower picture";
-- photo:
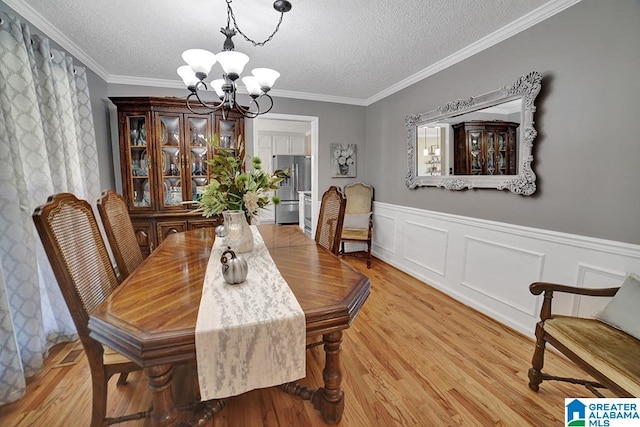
(343, 160)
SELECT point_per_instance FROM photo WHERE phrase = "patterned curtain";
(47, 146)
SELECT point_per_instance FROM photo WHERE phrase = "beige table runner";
(250, 335)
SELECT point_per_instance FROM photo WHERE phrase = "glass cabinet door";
(512, 158)
(491, 154)
(170, 160)
(138, 161)
(475, 141)
(227, 131)
(502, 152)
(199, 152)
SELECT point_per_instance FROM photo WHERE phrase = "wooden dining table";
(151, 316)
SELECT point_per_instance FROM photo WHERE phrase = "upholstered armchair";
(358, 219)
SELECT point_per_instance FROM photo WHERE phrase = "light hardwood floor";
(413, 357)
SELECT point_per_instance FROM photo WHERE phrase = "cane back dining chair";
(72, 241)
(328, 232)
(120, 232)
(358, 219)
(330, 219)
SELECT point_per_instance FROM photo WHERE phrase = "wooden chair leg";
(99, 400)
(537, 362)
(122, 379)
(369, 253)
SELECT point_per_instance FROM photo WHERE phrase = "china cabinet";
(485, 148)
(163, 153)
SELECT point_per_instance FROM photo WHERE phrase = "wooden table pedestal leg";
(164, 409)
(330, 399)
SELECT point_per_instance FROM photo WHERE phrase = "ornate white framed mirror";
(480, 142)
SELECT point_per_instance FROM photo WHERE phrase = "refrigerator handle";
(293, 177)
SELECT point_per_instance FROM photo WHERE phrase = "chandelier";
(257, 85)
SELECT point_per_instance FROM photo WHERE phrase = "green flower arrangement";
(232, 188)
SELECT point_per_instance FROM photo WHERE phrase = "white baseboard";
(489, 265)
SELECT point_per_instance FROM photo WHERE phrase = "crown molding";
(538, 15)
(317, 97)
(534, 17)
(175, 84)
(145, 81)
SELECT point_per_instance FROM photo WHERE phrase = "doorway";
(283, 131)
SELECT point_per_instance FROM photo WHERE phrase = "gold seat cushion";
(610, 351)
(355, 234)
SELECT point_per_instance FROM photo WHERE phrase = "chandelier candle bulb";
(217, 86)
(200, 61)
(232, 63)
(265, 77)
(188, 76)
(252, 85)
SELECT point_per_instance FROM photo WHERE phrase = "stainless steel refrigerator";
(299, 180)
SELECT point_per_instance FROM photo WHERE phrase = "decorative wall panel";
(426, 246)
(502, 272)
(384, 230)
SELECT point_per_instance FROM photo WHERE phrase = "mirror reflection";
(478, 142)
(432, 138)
(483, 142)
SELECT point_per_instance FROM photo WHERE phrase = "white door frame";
(313, 120)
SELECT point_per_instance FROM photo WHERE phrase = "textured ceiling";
(346, 51)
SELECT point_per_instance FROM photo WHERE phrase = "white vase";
(238, 231)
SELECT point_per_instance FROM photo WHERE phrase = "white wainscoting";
(489, 265)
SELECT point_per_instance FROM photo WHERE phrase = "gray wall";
(587, 151)
(98, 91)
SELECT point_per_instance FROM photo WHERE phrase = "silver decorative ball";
(221, 231)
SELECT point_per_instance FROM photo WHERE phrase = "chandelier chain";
(235, 24)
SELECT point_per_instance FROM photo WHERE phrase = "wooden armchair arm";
(538, 287)
(549, 288)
